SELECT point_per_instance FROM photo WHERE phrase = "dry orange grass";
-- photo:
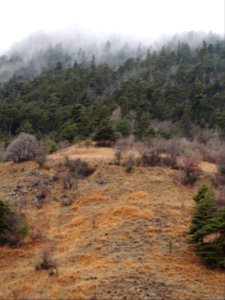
(112, 242)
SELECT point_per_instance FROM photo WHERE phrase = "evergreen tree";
(123, 127)
(205, 208)
(105, 133)
(186, 118)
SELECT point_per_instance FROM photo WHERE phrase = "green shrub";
(208, 228)
(124, 127)
(13, 226)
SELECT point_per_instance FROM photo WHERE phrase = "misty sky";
(139, 18)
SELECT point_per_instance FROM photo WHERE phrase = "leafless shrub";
(202, 136)
(105, 143)
(42, 190)
(70, 182)
(46, 262)
(23, 148)
(20, 203)
(151, 158)
(208, 154)
(117, 157)
(169, 150)
(218, 181)
(78, 168)
(123, 144)
(36, 235)
(41, 154)
(67, 201)
(121, 147)
(2, 153)
(221, 164)
(130, 164)
(116, 115)
(12, 239)
(190, 171)
(64, 144)
(42, 186)
(35, 180)
(161, 125)
(212, 150)
(220, 196)
(88, 143)
(59, 169)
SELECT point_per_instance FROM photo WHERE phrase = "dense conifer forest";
(73, 101)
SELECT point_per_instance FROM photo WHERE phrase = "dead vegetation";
(121, 235)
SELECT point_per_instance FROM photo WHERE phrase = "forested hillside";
(177, 82)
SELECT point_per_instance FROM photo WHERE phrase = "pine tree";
(205, 208)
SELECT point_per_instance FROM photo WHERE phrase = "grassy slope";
(112, 242)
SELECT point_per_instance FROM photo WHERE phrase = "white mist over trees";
(60, 49)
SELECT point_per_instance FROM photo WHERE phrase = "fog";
(44, 51)
(137, 18)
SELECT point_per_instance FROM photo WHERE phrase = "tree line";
(178, 83)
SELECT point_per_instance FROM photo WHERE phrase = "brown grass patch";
(137, 195)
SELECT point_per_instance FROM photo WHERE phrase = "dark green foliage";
(203, 191)
(177, 82)
(186, 118)
(13, 226)
(69, 132)
(123, 127)
(206, 206)
(213, 254)
(144, 126)
(208, 228)
(105, 134)
(53, 147)
(4, 212)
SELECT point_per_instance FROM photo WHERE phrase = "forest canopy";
(177, 82)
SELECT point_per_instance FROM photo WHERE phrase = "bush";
(117, 157)
(190, 171)
(130, 164)
(13, 226)
(105, 135)
(53, 147)
(69, 182)
(151, 158)
(221, 164)
(208, 228)
(23, 148)
(42, 153)
(1, 153)
(220, 198)
(123, 127)
(69, 132)
(46, 262)
(78, 168)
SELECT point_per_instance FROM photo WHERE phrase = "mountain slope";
(112, 242)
